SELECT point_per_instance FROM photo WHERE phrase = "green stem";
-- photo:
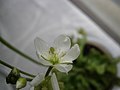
(28, 79)
(3, 41)
(11, 67)
(48, 71)
(82, 45)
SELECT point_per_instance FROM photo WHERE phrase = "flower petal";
(40, 45)
(54, 82)
(37, 80)
(71, 55)
(63, 67)
(62, 42)
(43, 61)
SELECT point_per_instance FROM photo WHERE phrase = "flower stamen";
(44, 58)
(52, 50)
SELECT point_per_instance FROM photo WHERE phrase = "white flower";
(60, 55)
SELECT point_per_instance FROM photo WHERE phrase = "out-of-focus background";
(106, 13)
(23, 20)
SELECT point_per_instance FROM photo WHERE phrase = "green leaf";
(101, 69)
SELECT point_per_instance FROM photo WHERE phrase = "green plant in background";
(93, 69)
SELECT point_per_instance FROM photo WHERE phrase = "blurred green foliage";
(94, 70)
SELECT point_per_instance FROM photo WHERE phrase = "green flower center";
(54, 58)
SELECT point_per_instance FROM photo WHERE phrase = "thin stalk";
(11, 67)
(3, 41)
(48, 71)
(82, 45)
(28, 79)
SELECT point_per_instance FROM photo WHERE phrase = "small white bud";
(21, 83)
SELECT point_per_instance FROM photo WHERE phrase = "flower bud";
(82, 31)
(21, 83)
(13, 76)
